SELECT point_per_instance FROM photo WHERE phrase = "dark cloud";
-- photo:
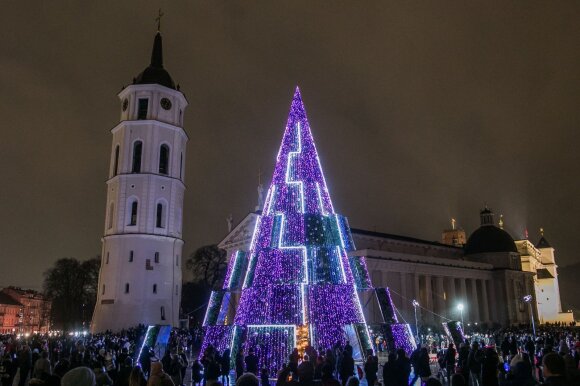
(421, 111)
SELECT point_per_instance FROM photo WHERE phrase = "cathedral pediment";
(240, 236)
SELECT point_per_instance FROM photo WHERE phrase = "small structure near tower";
(140, 275)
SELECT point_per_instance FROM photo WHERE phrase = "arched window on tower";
(137, 152)
(133, 214)
(126, 288)
(154, 288)
(116, 161)
(160, 215)
(164, 159)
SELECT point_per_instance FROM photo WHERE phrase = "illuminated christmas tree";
(298, 286)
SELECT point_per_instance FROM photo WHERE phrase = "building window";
(130, 256)
(142, 111)
(133, 218)
(159, 221)
(111, 214)
(157, 257)
(177, 260)
(116, 161)
(164, 159)
(162, 313)
(126, 288)
(103, 292)
(154, 288)
(181, 166)
(137, 152)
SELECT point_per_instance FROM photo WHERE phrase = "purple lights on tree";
(299, 276)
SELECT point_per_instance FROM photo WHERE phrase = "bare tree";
(208, 265)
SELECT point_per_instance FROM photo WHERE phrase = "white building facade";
(140, 276)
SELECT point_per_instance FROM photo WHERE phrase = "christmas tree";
(298, 286)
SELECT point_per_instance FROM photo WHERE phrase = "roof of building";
(489, 239)
(8, 300)
(543, 243)
(400, 238)
(155, 73)
(543, 273)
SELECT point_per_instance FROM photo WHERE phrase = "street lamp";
(460, 308)
(415, 305)
(528, 299)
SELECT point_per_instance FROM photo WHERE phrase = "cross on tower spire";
(158, 19)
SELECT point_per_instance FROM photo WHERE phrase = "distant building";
(23, 311)
(489, 274)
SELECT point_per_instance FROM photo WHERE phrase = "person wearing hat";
(251, 362)
(80, 376)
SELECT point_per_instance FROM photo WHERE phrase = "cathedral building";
(482, 280)
(140, 274)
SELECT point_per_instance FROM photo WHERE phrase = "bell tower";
(140, 274)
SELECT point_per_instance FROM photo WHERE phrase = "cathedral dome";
(155, 73)
(488, 238)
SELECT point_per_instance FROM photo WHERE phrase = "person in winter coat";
(449, 361)
(158, 377)
(137, 377)
(124, 372)
(346, 367)
(390, 371)
(42, 366)
(305, 371)
(403, 365)
(490, 368)
(239, 363)
(423, 370)
(251, 361)
(80, 376)
(196, 368)
(474, 362)
(225, 367)
(371, 367)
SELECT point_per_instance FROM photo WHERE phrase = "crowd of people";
(99, 359)
(509, 357)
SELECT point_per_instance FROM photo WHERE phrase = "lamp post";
(460, 308)
(415, 305)
(528, 299)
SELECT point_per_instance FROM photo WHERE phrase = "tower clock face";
(165, 103)
(125, 104)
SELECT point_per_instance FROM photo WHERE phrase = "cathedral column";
(439, 300)
(485, 303)
(494, 312)
(428, 299)
(404, 297)
(474, 306)
(450, 294)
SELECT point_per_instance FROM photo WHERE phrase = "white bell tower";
(140, 275)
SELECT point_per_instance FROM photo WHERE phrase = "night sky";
(421, 111)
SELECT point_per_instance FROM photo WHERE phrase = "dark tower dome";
(155, 73)
(488, 238)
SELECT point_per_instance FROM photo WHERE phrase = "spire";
(155, 73)
(298, 173)
(543, 243)
(157, 53)
(501, 221)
